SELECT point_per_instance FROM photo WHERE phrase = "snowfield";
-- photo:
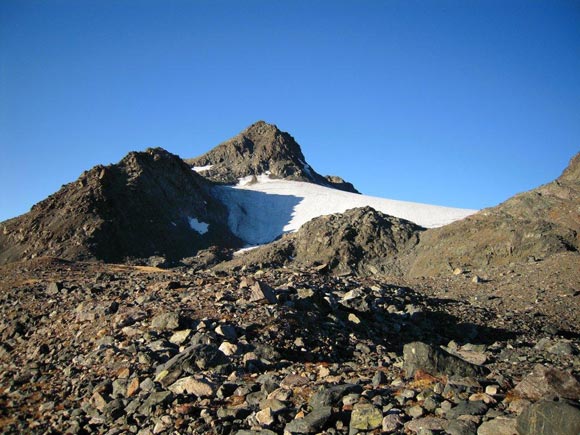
(261, 209)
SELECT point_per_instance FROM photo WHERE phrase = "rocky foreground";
(94, 348)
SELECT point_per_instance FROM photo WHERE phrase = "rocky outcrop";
(150, 203)
(528, 227)
(360, 241)
(262, 148)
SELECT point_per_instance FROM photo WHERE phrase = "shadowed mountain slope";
(150, 203)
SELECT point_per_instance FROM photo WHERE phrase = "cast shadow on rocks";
(321, 328)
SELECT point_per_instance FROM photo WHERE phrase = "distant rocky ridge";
(361, 241)
(262, 148)
(527, 227)
(150, 203)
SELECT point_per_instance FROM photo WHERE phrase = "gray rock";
(436, 361)
(498, 426)
(53, 288)
(155, 399)
(548, 382)
(425, 423)
(548, 418)
(166, 321)
(461, 427)
(415, 411)
(365, 416)
(194, 358)
(199, 387)
(311, 423)
(561, 348)
(330, 396)
(379, 378)
(262, 292)
(467, 408)
(392, 422)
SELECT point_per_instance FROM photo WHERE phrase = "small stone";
(467, 408)
(227, 331)
(180, 337)
(132, 387)
(425, 423)
(98, 401)
(392, 423)
(312, 422)
(262, 292)
(265, 417)
(323, 372)
(199, 387)
(365, 416)
(498, 426)
(492, 390)
(353, 318)
(457, 271)
(228, 348)
(485, 398)
(53, 288)
(379, 378)
(415, 411)
(461, 427)
(291, 381)
(561, 348)
(165, 321)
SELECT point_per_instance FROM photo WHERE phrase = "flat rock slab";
(548, 382)
(436, 361)
(549, 418)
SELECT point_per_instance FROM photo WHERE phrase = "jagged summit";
(150, 203)
(261, 149)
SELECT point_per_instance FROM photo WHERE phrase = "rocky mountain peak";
(261, 148)
(150, 203)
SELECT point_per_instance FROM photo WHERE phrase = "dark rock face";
(530, 226)
(259, 149)
(150, 203)
(546, 417)
(360, 241)
(435, 361)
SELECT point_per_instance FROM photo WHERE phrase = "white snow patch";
(244, 250)
(202, 168)
(261, 211)
(200, 227)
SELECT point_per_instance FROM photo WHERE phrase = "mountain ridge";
(146, 204)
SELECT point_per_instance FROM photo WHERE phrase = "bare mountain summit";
(150, 203)
(260, 149)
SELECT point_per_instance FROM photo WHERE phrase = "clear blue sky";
(460, 103)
